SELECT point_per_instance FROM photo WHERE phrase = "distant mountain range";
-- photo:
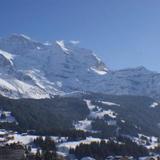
(30, 69)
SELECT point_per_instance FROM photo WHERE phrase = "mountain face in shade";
(30, 69)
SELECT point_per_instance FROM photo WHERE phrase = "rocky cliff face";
(30, 69)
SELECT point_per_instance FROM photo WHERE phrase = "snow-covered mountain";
(133, 81)
(30, 69)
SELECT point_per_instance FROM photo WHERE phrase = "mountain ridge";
(38, 70)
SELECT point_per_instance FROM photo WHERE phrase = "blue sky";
(124, 33)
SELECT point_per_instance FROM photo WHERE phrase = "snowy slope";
(133, 81)
(31, 69)
(41, 71)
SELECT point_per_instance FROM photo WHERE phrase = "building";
(5, 136)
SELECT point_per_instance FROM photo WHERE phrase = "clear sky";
(124, 33)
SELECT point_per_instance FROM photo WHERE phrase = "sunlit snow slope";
(30, 69)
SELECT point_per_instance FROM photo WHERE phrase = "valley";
(64, 97)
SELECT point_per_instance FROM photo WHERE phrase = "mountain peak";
(61, 44)
(43, 70)
(141, 68)
(19, 36)
(19, 44)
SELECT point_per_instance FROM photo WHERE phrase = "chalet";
(5, 136)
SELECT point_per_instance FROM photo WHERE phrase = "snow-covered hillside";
(30, 69)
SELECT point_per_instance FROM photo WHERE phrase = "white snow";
(38, 47)
(3, 132)
(8, 117)
(95, 112)
(47, 43)
(26, 37)
(59, 84)
(98, 112)
(30, 90)
(7, 55)
(123, 121)
(53, 64)
(75, 42)
(12, 88)
(154, 104)
(80, 64)
(7, 85)
(64, 147)
(73, 144)
(101, 113)
(84, 125)
(89, 104)
(100, 72)
(109, 103)
(99, 60)
(87, 158)
(150, 142)
(22, 139)
(62, 45)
